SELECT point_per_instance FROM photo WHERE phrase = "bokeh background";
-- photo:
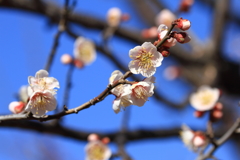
(26, 39)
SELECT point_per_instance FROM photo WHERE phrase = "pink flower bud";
(93, 137)
(105, 140)
(218, 106)
(185, 5)
(77, 63)
(199, 139)
(16, 107)
(182, 37)
(198, 114)
(66, 59)
(183, 24)
(216, 114)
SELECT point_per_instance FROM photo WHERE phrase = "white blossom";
(96, 150)
(142, 90)
(84, 50)
(42, 82)
(165, 16)
(205, 98)
(122, 92)
(145, 59)
(187, 136)
(114, 16)
(193, 140)
(42, 91)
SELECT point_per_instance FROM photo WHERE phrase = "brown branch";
(133, 135)
(61, 29)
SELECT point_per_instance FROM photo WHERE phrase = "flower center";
(39, 101)
(206, 98)
(144, 59)
(140, 92)
(96, 152)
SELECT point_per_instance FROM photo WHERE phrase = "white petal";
(32, 80)
(116, 105)
(52, 82)
(148, 73)
(162, 27)
(149, 47)
(151, 79)
(116, 75)
(138, 101)
(41, 73)
(52, 103)
(134, 52)
(157, 59)
(134, 67)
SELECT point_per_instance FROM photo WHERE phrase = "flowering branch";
(220, 141)
(93, 101)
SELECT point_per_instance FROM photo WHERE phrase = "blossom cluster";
(39, 96)
(130, 94)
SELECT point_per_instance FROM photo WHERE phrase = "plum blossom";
(142, 90)
(84, 51)
(42, 89)
(193, 140)
(114, 16)
(97, 150)
(145, 59)
(165, 16)
(122, 92)
(162, 30)
(205, 98)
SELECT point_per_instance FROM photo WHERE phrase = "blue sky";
(26, 41)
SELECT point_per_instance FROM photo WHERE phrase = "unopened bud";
(105, 140)
(182, 37)
(66, 59)
(93, 137)
(198, 114)
(216, 114)
(218, 106)
(183, 24)
(77, 63)
(16, 107)
(199, 139)
(185, 5)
